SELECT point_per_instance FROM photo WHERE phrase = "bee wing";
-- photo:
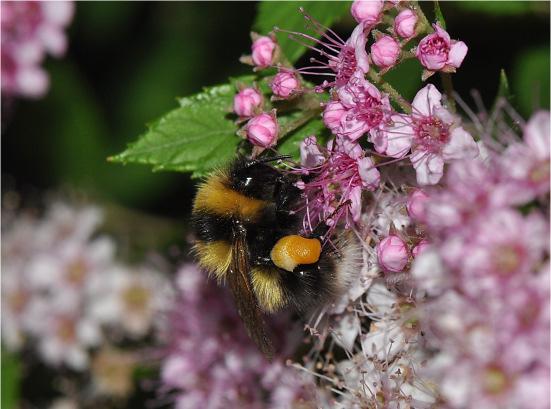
(245, 300)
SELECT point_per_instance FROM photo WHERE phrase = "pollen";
(291, 251)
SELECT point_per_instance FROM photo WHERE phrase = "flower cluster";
(453, 237)
(358, 111)
(209, 361)
(485, 279)
(62, 288)
(30, 30)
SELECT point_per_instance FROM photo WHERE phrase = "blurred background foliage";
(128, 62)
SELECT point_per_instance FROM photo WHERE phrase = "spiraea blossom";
(488, 314)
(361, 108)
(404, 23)
(30, 30)
(61, 287)
(433, 133)
(209, 361)
(449, 306)
(336, 177)
(437, 52)
(526, 163)
(340, 59)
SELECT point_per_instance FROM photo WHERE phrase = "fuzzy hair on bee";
(248, 235)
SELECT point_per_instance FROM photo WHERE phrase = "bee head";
(254, 178)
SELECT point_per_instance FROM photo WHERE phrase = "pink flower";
(437, 52)
(385, 52)
(367, 11)
(392, 253)
(333, 115)
(29, 31)
(526, 165)
(285, 84)
(433, 133)
(342, 59)
(404, 23)
(420, 248)
(366, 108)
(416, 204)
(339, 174)
(503, 251)
(263, 51)
(246, 102)
(262, 130)
(310, 154)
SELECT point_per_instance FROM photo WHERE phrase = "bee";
(248, 236)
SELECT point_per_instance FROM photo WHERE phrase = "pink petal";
(310, 154)
(460, 146)
(358, 41)
(32, 82)
(457, 53)
(426, 101)
(352, 128)
(399, 136)
(356, 203)
(348, 92)
(434, 62)
(441, 33)
(379, 139)
(536, 134)
(368, 173)
(54, 40)
(59, 13)
(429, 167)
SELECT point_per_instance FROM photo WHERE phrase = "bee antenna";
(274, 158)
(266, 160)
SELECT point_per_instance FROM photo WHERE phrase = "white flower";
(129, 298)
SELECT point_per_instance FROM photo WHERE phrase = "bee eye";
(291, 251)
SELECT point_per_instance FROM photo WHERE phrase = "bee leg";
(285, 194)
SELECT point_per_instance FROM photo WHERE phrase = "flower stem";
(447, 83)
(389, 89)
(424, 21)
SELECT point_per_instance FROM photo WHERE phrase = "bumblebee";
(248, 235)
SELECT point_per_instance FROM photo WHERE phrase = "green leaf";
(286, 15)
(531, 80)
(196, 137)
(11, 375)
(503, 90)
(406, 78)
(438, 14)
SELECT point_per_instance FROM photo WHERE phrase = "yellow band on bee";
(215, 257)
(216, 197)
(292, 250)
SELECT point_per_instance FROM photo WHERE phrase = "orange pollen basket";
(292, 250)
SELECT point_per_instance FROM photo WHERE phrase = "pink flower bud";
(385, 51)
(392, 253)
(367, 11)
(404, 23)
(262, 130)
(285, 84)
(246, 102)
(420, 248)
(263, 51)
(438, 52)
(416, 204)
(332, 115)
